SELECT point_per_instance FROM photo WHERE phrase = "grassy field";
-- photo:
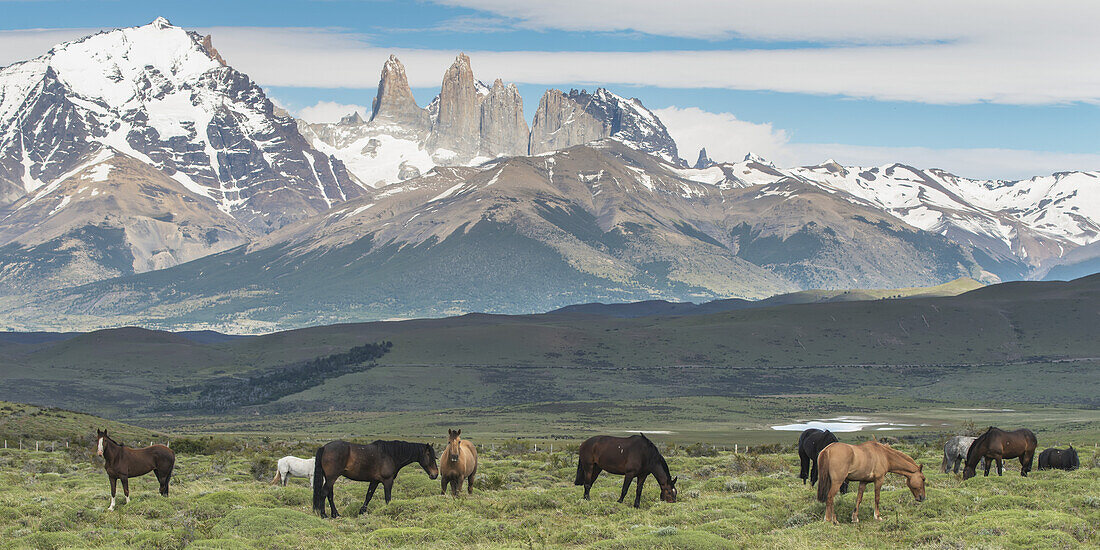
(527, 500)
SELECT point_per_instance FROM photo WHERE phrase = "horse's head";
(916, 483)
(454, 443)
(668, 491)
(427, 461)
(100, 436)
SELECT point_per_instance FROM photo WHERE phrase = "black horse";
(377, 463)
(810, 444)
(1059, 459)
(635, 457)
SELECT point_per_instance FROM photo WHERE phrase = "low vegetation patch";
(527, 499)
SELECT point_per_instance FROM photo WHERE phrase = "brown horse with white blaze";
(634, 457)
(459, 462)
(868, 462)
(122, 463)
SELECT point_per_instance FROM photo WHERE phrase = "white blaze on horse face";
(99, 451)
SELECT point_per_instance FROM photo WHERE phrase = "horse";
(292, 466)
(377, 463)
(997, 444)
(1059, 459)
(810, 443)
(868, 462)
(635, 457)
(954, 452)
(459, 463)
(122, 462)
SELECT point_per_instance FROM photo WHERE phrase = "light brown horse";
(459, 462)
(123, 462)
(866, 463)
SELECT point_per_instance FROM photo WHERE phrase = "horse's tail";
(275, 479)
(824, 480)
(580, 474)
(319, 482)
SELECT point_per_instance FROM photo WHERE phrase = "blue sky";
(984, 89)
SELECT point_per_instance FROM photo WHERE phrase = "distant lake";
(842, 424)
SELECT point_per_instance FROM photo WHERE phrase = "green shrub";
(262, 468)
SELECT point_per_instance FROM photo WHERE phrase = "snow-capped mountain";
(1017, 225)
(609, 115)
(469, 123)
(143, 141)
(164, 96)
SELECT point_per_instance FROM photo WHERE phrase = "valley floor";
(527, 500)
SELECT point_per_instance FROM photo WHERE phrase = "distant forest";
(229, 392)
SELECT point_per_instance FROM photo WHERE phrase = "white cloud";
(933, 52)
(729, 139)
(330, 111)
(725, 137)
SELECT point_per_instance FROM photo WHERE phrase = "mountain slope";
(602, 222)
(187, 157)
(114, 216)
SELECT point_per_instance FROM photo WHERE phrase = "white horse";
(290, 466)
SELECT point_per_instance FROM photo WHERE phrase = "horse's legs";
(456, 484)
(442, 485)
(1000, 466)
(470, 483)
(370, 493)
(878, 489)
(330, 485)
(804, 465)
(638, 492)
(387, 488)
(626, 486)
(590, 476)
(1025, 463)
(988, 463)
(126, 488)
(830, 502)
(114, 481)
(859, 499)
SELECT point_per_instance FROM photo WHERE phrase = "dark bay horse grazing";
(377, 463)
(635, 457)
(996, 445)
(122, 462)
(810, 443)
(1059, 459)
(868, 462)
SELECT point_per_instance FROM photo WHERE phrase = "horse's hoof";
(362, 510)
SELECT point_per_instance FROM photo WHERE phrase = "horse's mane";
(978, 442)
(402, 450)
(657, 453)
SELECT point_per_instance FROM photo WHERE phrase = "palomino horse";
(997, 444)
(459, 463)
(1059, 459)
(292, 466)
(810, 443)
(377, 463)
(634, 457)
(866, 463)
(122, 462)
